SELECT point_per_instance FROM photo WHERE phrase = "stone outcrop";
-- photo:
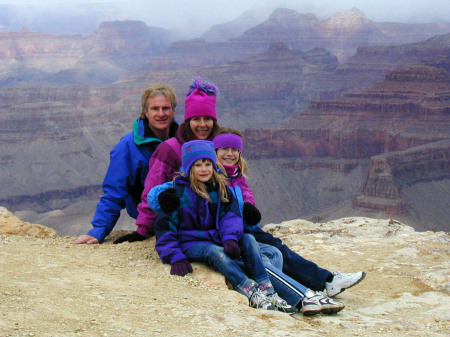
(400, 125)
(390, 172)
(34, 58)
(341, 34)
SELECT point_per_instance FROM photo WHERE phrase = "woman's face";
(201, 127)
(203, 170)
(228, 155)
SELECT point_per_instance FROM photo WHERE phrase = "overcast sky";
(199, 15)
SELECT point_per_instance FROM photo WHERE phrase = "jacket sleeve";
(163, 165)
(154, 193)
(167, 243)
(231, 225)
(115, 187)
(247, 193)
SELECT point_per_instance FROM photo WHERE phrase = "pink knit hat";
(200, 100)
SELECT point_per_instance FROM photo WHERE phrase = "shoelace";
(259, 299)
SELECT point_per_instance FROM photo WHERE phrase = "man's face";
(159, 113)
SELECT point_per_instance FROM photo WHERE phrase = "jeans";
(241, 279)
(286, 287)
(301, 270)
(273, 254)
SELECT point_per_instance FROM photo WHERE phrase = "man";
(129, 160)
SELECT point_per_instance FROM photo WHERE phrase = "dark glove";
(168, 200)
(181, 268)
(130, 237)
(232, 249)
(251, 214)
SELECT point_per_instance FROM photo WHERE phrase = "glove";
(130, 237)
(181, 268)
(251, 214)
(168, 200)
(232, 249)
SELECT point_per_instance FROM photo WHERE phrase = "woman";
(200, 123)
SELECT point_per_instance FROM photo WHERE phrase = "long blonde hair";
(200, 187)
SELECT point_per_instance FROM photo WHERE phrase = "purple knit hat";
(200, 100)
(195, 150)
(228, 140)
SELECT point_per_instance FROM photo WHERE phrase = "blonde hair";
(241, 162)
(155, 90)
(200, 187)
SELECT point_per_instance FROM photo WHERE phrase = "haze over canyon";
(343, 116)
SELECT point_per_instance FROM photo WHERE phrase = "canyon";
(324, 138)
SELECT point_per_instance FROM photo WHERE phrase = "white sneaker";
(343, 281)
(317, 302)
(259, 300)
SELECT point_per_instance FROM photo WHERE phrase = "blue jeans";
(215, 256)
(286, 287)
(303, 271)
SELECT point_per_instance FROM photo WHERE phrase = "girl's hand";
(168, 200)
(251, 214)
(181, 268)
(232, 249)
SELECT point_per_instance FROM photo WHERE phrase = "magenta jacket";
(247, 193)
(164, 164)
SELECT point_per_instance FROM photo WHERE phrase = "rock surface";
(50, 287)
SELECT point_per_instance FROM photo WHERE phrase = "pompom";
(208, 88)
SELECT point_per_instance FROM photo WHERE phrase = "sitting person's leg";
(299, 296)
(273, 254)
(307, 272)
(254, 265)
(215, 256)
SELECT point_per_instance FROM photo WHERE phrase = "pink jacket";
(247, 193)
(164, 164)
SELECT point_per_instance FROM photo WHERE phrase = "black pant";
(306, 272)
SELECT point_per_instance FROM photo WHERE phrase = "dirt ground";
(49, 287)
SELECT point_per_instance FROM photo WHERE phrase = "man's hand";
(86, 239)
(130, 237)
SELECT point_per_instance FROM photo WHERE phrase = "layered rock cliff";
(55, 141)
(402, 125)
(341, 34)
(33, 58)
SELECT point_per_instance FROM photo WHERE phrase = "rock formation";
(341, 34)
(96, 290)
(402, 124)
(33, 58)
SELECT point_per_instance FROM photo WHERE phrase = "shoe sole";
(330, 311)
(311, 312)
(363, 276)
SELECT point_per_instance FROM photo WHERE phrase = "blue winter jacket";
(196, 220)
(124, 179)
(235, 189)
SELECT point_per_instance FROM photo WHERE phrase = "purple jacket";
(196, 220)
(164, 164)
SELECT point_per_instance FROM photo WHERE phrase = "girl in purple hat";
(206, 227)
(200, 122)
(228, 146)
